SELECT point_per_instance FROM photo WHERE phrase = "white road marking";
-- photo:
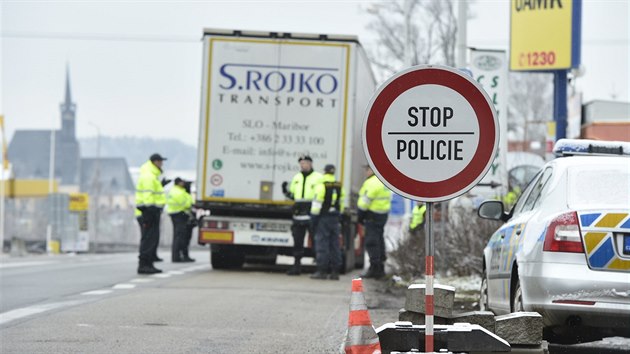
(161, 275)
(97, 292)
(141, 280)
(124, 286)
(195, 268)
(25, 264)
(13, 315)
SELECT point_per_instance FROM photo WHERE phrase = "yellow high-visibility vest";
(149, 189)
(374, 196)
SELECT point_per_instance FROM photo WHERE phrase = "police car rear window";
(599, 186)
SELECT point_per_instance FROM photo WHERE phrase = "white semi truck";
(267, 98)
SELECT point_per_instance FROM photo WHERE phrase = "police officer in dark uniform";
(302, 191)
(374, 204)
(327, 208)
(150, 201)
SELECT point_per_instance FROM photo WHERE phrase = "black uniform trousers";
(374, 238)
(328, 250)
(150, 235)
(180, 230)
(298, 231)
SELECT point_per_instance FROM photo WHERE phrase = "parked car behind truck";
(564, 250)
(267, 98)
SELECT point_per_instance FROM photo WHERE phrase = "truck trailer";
(266, 99)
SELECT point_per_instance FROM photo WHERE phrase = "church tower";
(68, 111)
(67, 152)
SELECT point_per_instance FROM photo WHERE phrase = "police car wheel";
(517, 299)
(483, 294)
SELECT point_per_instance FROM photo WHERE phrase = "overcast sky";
(135, 66)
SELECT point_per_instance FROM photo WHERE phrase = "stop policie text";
(433, 149)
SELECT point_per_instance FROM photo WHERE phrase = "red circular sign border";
(488, 130)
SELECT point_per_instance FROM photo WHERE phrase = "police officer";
(150, 200)
(138, 215)
(374, 204)
(178, 204)
(327, 208)
(417, 217)
(302, 191)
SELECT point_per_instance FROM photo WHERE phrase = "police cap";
(305, 157)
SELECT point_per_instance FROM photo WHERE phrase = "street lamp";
(97, 181)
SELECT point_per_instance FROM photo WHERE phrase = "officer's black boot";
(296, 269)
(370, 272)
(147, 268)
(379, 271)
(334, 275)
(319, 274)
(186, 257)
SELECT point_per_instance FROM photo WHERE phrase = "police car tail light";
(563, 234)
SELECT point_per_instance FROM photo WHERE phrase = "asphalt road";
(98, 304)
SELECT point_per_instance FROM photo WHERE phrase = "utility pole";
(51, 178)
(462, 14)
(2, 184)
(97, 179)
(409, 5)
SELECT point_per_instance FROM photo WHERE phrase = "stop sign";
(430, 133)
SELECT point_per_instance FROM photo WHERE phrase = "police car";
(564, 250)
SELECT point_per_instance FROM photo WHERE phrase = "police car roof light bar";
(571, 147)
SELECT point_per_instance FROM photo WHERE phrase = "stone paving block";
(483, 318)
(522, 328)
(417, 318)
(443, 299)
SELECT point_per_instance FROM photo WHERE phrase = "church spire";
(68, 111)
(68, 101)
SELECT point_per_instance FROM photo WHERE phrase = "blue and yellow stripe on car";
(599, 244)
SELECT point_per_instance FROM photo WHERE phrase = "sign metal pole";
(403, 122)
(560, 103)
(428, 294)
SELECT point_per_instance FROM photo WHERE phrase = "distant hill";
(137, 150)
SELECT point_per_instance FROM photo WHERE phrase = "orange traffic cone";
(361, 337)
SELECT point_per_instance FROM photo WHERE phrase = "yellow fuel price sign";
(78, 202)
(545, 34)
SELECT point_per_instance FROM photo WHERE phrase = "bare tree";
(412, 32)
(530, 103)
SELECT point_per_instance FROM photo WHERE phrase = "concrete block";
(542, 348)
(483, 318)
(520, 328)
(443, 299)
(467, 338)
(417, 318)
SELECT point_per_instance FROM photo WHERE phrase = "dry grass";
(458, 250)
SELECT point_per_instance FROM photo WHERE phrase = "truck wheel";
(359, 261)
(346, 263)
(218, 260)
